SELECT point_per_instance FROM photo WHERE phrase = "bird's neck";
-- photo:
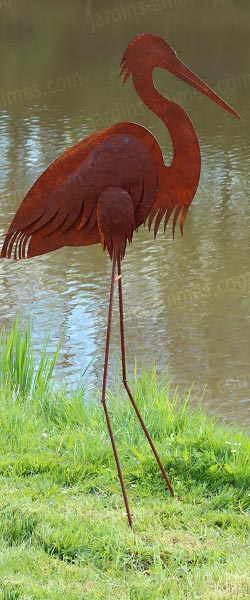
(184, 172)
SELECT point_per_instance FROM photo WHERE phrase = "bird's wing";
(61, 207)
(51, 203)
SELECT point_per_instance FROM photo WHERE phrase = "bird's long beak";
(176, 67)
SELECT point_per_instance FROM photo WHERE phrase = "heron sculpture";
(103, 188)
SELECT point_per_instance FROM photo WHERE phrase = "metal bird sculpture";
(107, 185)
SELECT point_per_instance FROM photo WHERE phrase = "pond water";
(187, 301)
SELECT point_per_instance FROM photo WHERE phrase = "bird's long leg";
(104, 402)
(125, 382)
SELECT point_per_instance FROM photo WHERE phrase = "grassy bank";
(63, 531)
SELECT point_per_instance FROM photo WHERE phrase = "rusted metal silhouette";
(103, 188)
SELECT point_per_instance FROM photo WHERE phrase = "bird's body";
(103, 188)
(61, 208)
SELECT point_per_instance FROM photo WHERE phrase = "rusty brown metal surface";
(103, 188)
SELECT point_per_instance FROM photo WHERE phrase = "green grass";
(63, 528)
(18, 371)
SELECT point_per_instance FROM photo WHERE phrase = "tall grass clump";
(199, 453)
(18, 370)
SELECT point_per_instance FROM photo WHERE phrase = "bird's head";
(148, 51)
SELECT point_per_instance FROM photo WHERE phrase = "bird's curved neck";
(184, 171)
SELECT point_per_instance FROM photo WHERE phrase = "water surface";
(187, 302)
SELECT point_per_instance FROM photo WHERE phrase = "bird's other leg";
(104, 402)
(125, 382)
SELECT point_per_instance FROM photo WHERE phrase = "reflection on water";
(186, 302)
